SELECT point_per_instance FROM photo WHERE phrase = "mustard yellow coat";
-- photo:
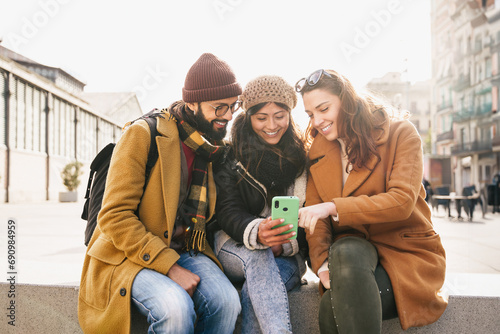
(384, 203)
(122, 244)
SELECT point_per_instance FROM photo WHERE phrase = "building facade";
(465, 63)
(403, 95)
(46, 122)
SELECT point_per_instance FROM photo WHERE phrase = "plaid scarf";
(197, 201)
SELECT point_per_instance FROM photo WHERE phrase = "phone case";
(286, 207)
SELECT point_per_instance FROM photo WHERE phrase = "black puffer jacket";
(241, 199)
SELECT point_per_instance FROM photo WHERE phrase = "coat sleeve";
(322, 239)
(403, 184)
(232, 213)
(124, 188)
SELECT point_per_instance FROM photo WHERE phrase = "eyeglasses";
(311, 80)
(223, 108)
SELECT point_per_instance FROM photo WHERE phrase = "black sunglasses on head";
(311, 80)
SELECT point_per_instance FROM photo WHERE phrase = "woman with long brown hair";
(371, 239)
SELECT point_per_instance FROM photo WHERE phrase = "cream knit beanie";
(268, 88)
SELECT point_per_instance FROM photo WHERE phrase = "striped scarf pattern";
(197, 200)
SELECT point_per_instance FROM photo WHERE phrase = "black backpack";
(99, 172)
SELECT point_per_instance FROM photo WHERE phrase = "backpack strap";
(151, 119)
(153, 149)
(102, 158)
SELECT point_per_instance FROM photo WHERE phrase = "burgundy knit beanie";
(209, 79)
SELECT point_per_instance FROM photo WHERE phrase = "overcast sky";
(148, 46)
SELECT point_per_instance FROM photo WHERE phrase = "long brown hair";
(356, 120)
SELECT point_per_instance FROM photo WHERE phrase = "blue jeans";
(213, 308)
(264, 298)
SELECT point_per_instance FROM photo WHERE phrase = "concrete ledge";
(53, 309)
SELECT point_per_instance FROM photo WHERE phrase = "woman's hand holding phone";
(271, 237)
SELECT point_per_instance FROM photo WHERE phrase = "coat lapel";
(327, 171)
(169, 153)
(358, 176)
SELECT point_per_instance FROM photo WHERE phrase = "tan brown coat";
(122, 244)
(384, 203)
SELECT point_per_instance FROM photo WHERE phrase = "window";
(106, 134)
(63, 128)
(29, 118)
(20, 114)
(87, 135)
(37, 116)
(55, 127)
(27, 122)
(3, 107)
(488, 67)
(478, 44)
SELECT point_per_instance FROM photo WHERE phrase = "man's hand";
(186, 279)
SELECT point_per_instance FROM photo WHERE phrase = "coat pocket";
(105, 251)
(419, 235)
(427, 240)
(103, 260)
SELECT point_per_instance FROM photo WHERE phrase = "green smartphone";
(286, 207)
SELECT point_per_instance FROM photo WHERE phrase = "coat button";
(165, 234)
(123, 292)
(146, 257)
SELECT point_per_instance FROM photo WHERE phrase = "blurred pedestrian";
(428, 190)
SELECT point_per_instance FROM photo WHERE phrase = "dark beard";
(206, 127)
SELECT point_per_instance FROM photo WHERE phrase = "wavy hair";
(249, 146)
(356, 120)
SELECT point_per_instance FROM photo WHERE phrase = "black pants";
(360, 294)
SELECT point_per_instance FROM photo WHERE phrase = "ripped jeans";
(264, 298)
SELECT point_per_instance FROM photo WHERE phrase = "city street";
(50, 250)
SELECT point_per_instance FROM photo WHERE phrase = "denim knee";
(168, 308)
(259, 256)
(180, 314)
(227, 302)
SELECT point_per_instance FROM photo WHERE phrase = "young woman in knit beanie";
(369, 229)
(267, 158)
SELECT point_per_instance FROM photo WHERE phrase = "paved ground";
(50, 250)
